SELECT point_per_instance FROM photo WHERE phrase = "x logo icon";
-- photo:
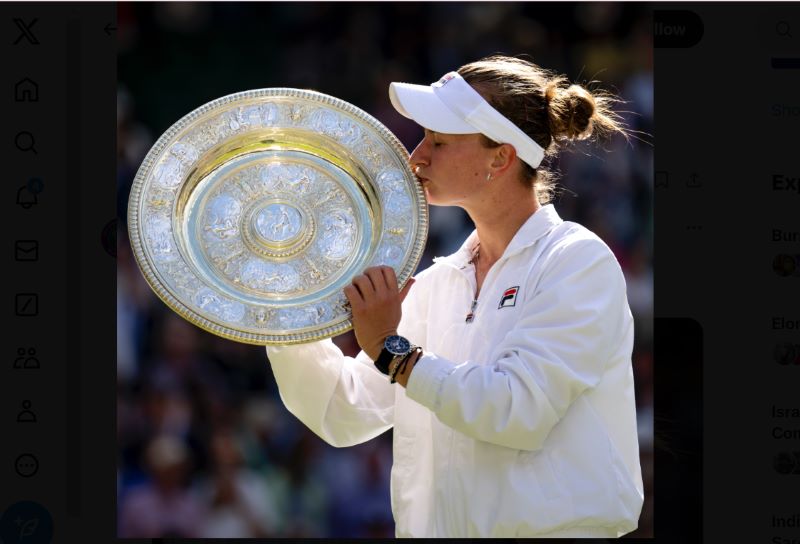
(26, 32)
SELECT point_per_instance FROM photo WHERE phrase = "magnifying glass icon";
(25, 142)
(783, 29)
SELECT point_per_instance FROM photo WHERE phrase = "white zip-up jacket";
(520, 423)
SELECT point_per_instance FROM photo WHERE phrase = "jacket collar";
(537, 225)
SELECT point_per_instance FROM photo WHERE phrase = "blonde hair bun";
(571, 111)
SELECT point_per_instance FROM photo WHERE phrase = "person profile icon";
(26, 415)
(26, 361)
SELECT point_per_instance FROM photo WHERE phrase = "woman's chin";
(434, 199)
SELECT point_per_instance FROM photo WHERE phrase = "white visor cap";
(452, 106)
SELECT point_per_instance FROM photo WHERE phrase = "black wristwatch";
(393, 346)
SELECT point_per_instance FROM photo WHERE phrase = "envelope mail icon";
(26, 250)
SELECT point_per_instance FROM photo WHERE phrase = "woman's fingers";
(376, 276)
(364, 286)
(378, 283)
(389, 277)
(353, 296)
(406, 289)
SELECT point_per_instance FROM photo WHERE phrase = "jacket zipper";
(471, 314)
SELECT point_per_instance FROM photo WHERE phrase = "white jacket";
(521, 423)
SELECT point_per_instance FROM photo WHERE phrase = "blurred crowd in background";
(206, 447)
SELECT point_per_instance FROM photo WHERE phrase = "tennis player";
(505, 368)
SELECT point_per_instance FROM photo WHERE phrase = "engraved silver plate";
(251, 214)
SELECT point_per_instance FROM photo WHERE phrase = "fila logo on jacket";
(509, 297)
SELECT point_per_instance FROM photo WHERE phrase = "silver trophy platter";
(250, 215)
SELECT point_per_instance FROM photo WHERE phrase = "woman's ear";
(504, 157)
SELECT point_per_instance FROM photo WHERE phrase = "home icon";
(26, 90)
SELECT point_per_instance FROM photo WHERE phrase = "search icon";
(25, 142)
(783, 29)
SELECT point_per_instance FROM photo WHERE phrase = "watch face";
(397, 345)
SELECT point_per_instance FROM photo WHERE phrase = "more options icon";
(26, 465)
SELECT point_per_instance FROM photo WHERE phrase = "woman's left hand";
(375, 301)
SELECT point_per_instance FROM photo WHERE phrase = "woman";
(515, 417)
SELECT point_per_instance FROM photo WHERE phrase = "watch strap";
(383, 361)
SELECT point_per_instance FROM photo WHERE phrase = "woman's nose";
(419, 157)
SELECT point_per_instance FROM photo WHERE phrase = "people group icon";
(26, 359)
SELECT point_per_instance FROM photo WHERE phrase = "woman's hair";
(545, 106)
